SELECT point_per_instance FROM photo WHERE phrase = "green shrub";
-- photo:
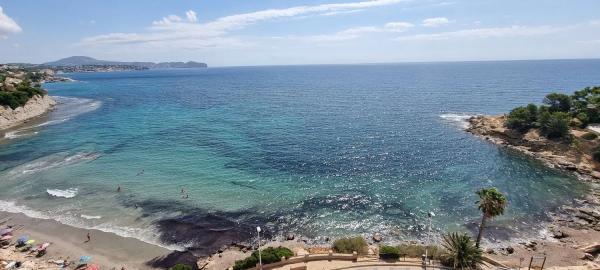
(415, 251)
(22, 93)
(554, 125)
(350, 244)
(522, 118)
(584, 119)
(589, 136)
(389, 253)
(461, 252)
(268, 255)
(558, 102)
(181, 266)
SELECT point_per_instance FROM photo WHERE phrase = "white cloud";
(332, 13)
(494, 32)
(435, 22)
(7, 25)
(589, 42)
(191, 16)
(348, 34)
(398, 26)
(174, 28)
(353, 33)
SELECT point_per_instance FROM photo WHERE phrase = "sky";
(289, 32)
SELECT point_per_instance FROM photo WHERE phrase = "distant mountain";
(74, 61)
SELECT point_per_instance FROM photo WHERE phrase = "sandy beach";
(106, 249)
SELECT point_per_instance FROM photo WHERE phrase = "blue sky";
(275, 32)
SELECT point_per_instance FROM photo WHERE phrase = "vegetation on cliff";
(17, 87)
(558, 114)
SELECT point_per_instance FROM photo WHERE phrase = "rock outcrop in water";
(35, 107)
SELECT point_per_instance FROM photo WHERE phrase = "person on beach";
(88, 237)
(65, 264)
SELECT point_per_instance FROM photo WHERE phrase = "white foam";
(11, 135)
(67, 193)
(68, 108)
(147, 234)
(52, 161)
(459, 119)
(90, 217)
(12, 207)
(52, 122)
(17, 134)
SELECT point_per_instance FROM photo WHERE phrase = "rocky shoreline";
(554, 154)
(575, 227)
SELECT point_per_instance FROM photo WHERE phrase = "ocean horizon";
(202, 156)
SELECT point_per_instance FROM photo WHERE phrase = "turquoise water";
(320, 151)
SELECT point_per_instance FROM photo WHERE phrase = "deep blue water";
(315, 150)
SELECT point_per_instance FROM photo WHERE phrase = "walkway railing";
(308, 258)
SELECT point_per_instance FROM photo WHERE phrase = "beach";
(66, 242)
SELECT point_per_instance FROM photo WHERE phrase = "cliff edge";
(572, 155)
(34, 107)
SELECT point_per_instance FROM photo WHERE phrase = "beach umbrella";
(84, 259)
(6, 237)
(22, 239)
(6, 231)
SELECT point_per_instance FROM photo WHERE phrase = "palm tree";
(491, 203)
(461, 252)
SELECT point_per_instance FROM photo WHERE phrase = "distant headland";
(89, 64)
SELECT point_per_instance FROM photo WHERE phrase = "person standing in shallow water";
(118, 188)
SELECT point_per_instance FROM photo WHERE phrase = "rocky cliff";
(36, 106)
(569, 155)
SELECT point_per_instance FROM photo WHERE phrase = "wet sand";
(108, 250)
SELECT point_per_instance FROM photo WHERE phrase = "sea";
(198, 158)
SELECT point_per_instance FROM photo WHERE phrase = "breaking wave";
(67, 108)
(91, 217)
(67, 193)
(52, 161)
(147, 234)
(461, 120)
